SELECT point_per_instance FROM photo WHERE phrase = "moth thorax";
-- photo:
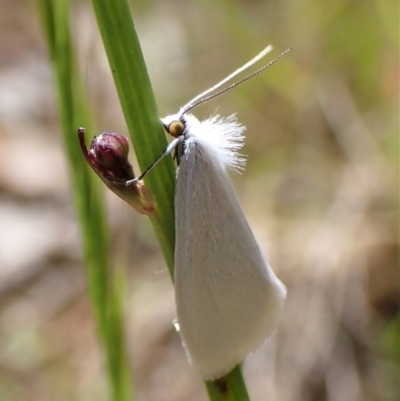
(176, 128)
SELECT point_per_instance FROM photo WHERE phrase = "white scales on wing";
(228, 299)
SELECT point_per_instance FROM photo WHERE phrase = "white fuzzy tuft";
(220, 137)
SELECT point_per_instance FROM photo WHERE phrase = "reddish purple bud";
(108, 157)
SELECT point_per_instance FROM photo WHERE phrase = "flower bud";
(108, 157)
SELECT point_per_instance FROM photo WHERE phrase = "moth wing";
(227, 297)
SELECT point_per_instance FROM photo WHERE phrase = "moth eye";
(176, 128)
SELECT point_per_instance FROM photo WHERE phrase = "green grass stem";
(104, 288)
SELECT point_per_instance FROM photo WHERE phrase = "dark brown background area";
(320, 192)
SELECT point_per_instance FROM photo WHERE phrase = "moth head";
(174, 125)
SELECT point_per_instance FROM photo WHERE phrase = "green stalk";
(138, 104)
(104, 290)
(229, 388)
(140, 111)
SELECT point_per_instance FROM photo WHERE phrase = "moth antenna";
(229, 77)
(201, 99)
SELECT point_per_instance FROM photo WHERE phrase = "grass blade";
(103, 288)
(140, 111)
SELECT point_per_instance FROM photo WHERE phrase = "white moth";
(228, 299)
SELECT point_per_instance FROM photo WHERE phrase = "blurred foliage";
(104, 290)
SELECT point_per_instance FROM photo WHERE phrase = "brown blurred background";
(320, 191)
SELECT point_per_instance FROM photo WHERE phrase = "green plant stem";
(139, 107)
(230, 388)
(104, 291)
(140, 111)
